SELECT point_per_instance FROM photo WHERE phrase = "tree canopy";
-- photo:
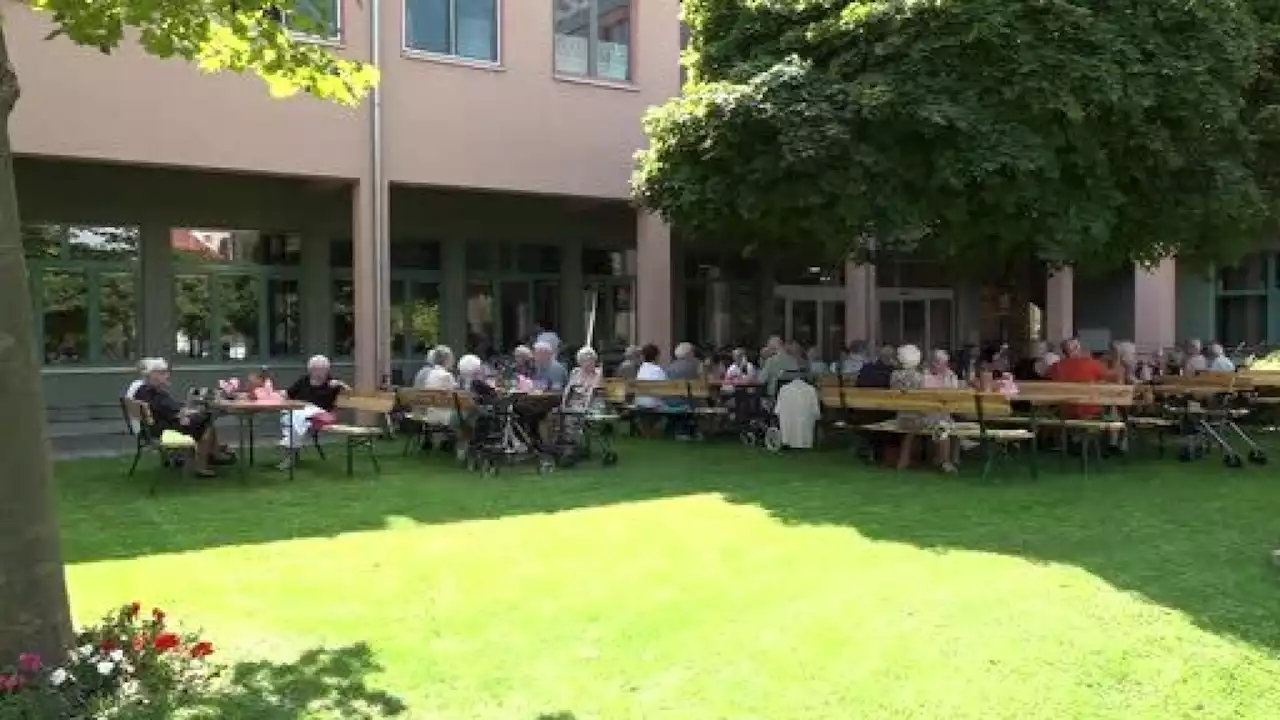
(983, 133)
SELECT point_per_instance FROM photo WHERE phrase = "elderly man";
(319, 390)
(685, 366)
(1078, 366)
(1193, 359)
(1216, 359)
(440, 376)
(879, 373)
(548, 374)
(630, 364)
(780, 362)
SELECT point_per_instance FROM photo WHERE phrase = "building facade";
(190, 216)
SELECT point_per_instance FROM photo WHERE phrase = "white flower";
(86, 651)
(58, 676)
(105, 667)
(117, 655)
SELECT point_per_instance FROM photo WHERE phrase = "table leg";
(241, 457)
(249, 422)
(293, 453)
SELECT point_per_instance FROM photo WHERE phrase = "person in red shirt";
(1078, 366)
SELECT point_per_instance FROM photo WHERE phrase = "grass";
(701, 582)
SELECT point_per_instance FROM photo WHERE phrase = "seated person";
(133, 387)
(585, 378)
(650, 370)
(472, 377)
(169, 414)
(1078, 366)
(548, 374)
(319, 390)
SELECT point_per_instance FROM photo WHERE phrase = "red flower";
(158, 615)
(132, 609)
(139, 642)
(202, 649)
(29, 662)
(10, 682)
(165, 641)
(107, 645)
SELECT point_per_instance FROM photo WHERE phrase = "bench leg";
(351, 449)
(373, 456)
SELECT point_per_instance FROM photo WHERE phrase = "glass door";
(926, 322)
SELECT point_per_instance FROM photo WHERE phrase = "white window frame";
(453, 57)
(592, 74)
(339, 25)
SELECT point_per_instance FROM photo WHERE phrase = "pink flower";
(10, 682)
(29, 662)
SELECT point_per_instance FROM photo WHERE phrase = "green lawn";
(705, 582)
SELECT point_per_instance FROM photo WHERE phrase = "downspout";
(378, 221)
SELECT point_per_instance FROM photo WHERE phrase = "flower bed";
(129, 662)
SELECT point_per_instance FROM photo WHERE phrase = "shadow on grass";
(323, 682)
(1190, 537)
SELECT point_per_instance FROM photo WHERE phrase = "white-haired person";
(420, 379)
(1216, 359)
(134, 386)
(319, 390)
(548, 374)
(684, 364)
(1193, 359)
(170, 415)
(909, 376)
(440, 377)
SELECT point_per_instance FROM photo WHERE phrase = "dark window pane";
(427, 25)
(1242, 320)
(118, 306)
(598, 261)
(546, 304)
(193, 312)
(1249, 274)
(517, 314)
(238, 301)
(538, 259)
(415, 255)
(479, 257)
(41, 242)
(480, 328)
(284, 318)
(399, 332)
(340, 253)
(344, 318)
(103, 244)
(66, 317)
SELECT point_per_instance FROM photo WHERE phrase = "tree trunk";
(34, 613)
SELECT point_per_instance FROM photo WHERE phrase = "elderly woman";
(472, 376)
(440, 376)
(319, 390)
(908, 376)
(685, 366)
(630, 363)
(171, 415)
(586, 377)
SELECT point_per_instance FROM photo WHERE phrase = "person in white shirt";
(420, 380)
(1216, 359)
(650, 370)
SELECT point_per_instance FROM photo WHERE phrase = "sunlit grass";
(706, 582)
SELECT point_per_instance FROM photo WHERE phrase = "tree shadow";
(1195, 537)
(326, 682)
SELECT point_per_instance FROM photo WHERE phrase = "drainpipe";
(378, 221)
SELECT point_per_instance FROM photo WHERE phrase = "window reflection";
(422, 316)
(66, 317)
(193, 310)
(238, 300)
(517, 315)
(118, 307)
(284, 318)
(480, 330)
(344, 318)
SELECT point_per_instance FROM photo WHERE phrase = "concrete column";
(316, 289)
(156, 322)
(1059, 306)
(366, 291)
(453, 293)
(653, 281)
(861, 309)
(1155, 300)
(572, 329)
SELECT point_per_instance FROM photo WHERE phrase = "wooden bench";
(431, 410)
(360, 434)
(662, 391)
(1065, 394)
(170, 448)
(984, 407)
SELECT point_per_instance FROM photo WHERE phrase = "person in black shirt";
(877, 374)
(319, 390)
(169, 414)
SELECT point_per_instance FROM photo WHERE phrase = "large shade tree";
(985, 133)
(245, 36)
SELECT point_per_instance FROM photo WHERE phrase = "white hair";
(1126, 350)
(153, 365)
(443, 353)
(941, 356)
(470, 365)
(683, 350)
(909, 356)
(1216, 350)
(543, 347)
(1050, 359)
(431, 356)
(522, 351)
(317, 362)
(143, 364)
(585, 353)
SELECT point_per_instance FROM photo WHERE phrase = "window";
(237, 294)
(1249, 275)
(318, 19)
(461, 28)
(344, 318)
(84, 287)
(593, 38)
(1242, 319)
